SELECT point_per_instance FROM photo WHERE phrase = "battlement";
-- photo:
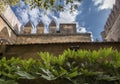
(67, 28)
(8, 35)
(11, 32)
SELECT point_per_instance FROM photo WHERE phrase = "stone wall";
(53, 38)
(32, 50)
(68, 28)
(12, 19)
(11, 32)
(112, 27)
(114, 33)
(6, 32)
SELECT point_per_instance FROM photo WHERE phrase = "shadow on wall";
(32, 50)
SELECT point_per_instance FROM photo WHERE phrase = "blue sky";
(91, 16)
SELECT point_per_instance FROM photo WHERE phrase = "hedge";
(71, 67)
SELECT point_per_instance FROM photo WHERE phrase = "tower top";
(53, 23)
(28, 24)
(40, 24)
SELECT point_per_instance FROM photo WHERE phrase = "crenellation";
(40, 28)
(28, 28)
(26, 37)
(15, 33)
(68, 28)
(52, 27)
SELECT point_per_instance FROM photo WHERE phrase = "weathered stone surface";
(68, 28)
(53, 38)
(112, 27)
(28, 28)
(40, 28)
(11, 18)
(6, 32)
(52, 27)
(10, 32)
(31, 51)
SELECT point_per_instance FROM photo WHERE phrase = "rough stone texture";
(11, 18)
(28, 50)
(53, 38)
(6, 32)
(52, 27)
(40, 28)
(11, 33)
(112, 28)
(28, 28)
(68, 28)
(27, 38)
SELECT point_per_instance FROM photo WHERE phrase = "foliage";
(54, 5)
(72, 67)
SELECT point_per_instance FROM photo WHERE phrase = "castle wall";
(27, 50)
(53, 38)
(67, 28)
(114, 33)
(27, 30)
(10, 30)
(6, 32)
(11, 18)
(40, 30)
(112, 27)
(52, 29)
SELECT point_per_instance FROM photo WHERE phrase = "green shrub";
(72, 67)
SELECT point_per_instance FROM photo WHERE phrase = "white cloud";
(35, 16)
(46, 20)
(81, 30)
(104, 4)
(97, 2)
(67, 16)
(22, 13)
(92, 39)
(22, 16)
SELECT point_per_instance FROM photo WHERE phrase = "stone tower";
(68, 28)
(52, 27)
(28, 28)
(112, 27)
(12, 31)
(40, 28)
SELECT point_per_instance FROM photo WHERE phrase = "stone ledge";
(60, 34)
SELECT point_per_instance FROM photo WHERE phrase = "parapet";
(68, 28)
(52, 27)
(28, 28)
(40, 28)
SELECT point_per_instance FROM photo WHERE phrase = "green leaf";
(73, 74)
(25, 75)
(2, 81)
